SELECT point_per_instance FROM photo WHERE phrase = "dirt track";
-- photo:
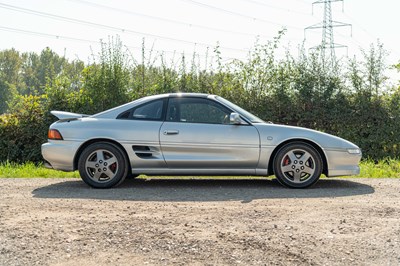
(199, 222)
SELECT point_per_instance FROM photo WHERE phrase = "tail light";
(54, 134)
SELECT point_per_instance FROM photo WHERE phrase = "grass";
(388, 168)
(29, 170)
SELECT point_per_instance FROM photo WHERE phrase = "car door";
(197, 134)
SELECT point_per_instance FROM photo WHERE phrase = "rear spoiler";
(67, 115)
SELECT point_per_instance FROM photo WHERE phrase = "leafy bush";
(22, 130)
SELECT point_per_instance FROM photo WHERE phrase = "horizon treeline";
(348, 98)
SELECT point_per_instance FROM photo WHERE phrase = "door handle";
(171, 132)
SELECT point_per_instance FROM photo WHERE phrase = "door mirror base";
(234, 119)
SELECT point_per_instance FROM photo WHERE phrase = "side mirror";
(234, 119)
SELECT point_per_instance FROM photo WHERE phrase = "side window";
(148, 111)
(197, 110)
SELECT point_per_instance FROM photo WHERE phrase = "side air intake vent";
(144, 152)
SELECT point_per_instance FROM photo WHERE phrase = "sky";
(74, 28)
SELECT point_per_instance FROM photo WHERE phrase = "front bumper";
(342, 163)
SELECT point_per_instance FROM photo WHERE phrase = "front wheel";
(297, 165)
(102, 165)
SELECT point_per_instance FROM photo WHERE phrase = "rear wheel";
(297, 165)
(102, 165)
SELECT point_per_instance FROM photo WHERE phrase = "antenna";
(328, 45)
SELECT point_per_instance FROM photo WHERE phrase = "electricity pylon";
(328, 45)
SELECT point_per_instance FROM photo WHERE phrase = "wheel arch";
(91, 141)
(309, 142)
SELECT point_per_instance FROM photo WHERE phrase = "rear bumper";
(60, 154)
(47, 165)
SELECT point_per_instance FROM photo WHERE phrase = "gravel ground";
(199, 222)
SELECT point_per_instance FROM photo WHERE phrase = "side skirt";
(201, 172)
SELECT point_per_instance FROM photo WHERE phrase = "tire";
(103, 165)
(131, 176)
(297, 165)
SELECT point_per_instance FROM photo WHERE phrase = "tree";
(10, 64)
(106, 83)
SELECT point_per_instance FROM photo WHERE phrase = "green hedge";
(349, 100)
(371, 125)
(22, 132)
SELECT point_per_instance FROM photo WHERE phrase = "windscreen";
(249, 116)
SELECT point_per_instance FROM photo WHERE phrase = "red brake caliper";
(286, 161)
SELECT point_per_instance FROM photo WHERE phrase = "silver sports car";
(191, 134)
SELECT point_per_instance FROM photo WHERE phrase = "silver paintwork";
(210, 146)
(66, 115)
(175, 148)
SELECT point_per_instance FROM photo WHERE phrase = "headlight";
(354, 151)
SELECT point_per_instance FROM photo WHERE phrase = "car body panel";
(166, 148)
(59, 154)
(334, 149)
(211, 146)
(123, 132)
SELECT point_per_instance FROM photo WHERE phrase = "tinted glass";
(252, 118)
(197, 110)
(149, 111)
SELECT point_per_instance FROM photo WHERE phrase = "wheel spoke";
(91, 164)
(109, 173)
(292, 156)
(111, 161)
(287, 168)
(100, 156)
(308, 170)
(296, 176)
(305, 157)
(97, 175)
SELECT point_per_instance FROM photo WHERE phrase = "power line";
(238, 14)
(168, 20)
(373, 37)
(358, 25)
(305, 2)
(62, 37)
(112, 28)
(275, 7)
(41, 34)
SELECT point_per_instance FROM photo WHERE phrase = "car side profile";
(192, 134)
